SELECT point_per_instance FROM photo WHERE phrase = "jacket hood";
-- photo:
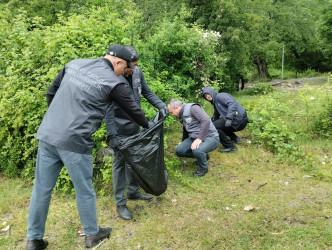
(210, 91)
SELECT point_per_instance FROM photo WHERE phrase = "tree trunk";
(262, 68)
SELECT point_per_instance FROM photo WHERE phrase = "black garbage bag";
(145, 154)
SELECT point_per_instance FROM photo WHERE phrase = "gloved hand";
(150, 124)
(228, 123)
(164, 110)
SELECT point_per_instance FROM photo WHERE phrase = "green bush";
(32, 55)
(323, 123)
(185, 56)
(269, 130)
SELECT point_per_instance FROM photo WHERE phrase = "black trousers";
(227, 135)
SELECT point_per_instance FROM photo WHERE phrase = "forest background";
(183, 45)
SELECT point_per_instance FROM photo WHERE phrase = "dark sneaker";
(237, 140)
(139, 196)
(200, 172)
(36, 244)
(124, 212)
(92, 240)
(228, 150)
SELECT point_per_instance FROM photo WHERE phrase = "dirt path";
(293, 83)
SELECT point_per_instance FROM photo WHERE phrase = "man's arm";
(121, 95)
(53, 88)
(230, 102)
(197, 112)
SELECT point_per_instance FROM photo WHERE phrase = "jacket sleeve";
(121, 95)
(53, 88)
(229, 103)
(204, 120)
(148, 93)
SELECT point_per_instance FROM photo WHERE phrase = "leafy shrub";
(268, 129)
(32, 55)
(323, 123)
(186, 56)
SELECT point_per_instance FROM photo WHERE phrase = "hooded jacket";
(226, 106)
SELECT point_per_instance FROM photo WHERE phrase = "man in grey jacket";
(199, 134)
(229, 116)
(118, 126)
(77, 99)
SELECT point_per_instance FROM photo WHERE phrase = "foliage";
(325, 32)
(268, 129)
(323, 125)
(31, 60)
(254, 32)
(186, 57)
(323, 122)
(183, 46)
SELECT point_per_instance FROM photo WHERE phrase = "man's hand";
(228, 123)
(164, 110)
(195, 144)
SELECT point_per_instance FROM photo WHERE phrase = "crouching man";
(199, 134)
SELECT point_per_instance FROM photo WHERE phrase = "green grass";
(291, 211)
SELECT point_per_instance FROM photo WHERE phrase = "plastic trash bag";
(145, 154)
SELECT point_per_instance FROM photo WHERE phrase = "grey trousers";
(50, 161)
(122, 179)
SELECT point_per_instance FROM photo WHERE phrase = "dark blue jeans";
(184, 150)
(50, 161)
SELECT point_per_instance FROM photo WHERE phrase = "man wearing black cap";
(77, 100)
(118, 126)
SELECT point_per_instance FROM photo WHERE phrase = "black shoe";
(36, 244)
(139, 196)
(200, 172)
(124, 212)
(228, 150)
(92, 240)
(237, 140)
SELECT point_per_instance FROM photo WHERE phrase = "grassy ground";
(291, 207)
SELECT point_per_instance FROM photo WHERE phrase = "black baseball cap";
(121, 52)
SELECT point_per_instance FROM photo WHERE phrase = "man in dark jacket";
(233, 118)
(199, 135)
(77, 99)
(118, 126)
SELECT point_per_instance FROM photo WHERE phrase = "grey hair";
(174, 103)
